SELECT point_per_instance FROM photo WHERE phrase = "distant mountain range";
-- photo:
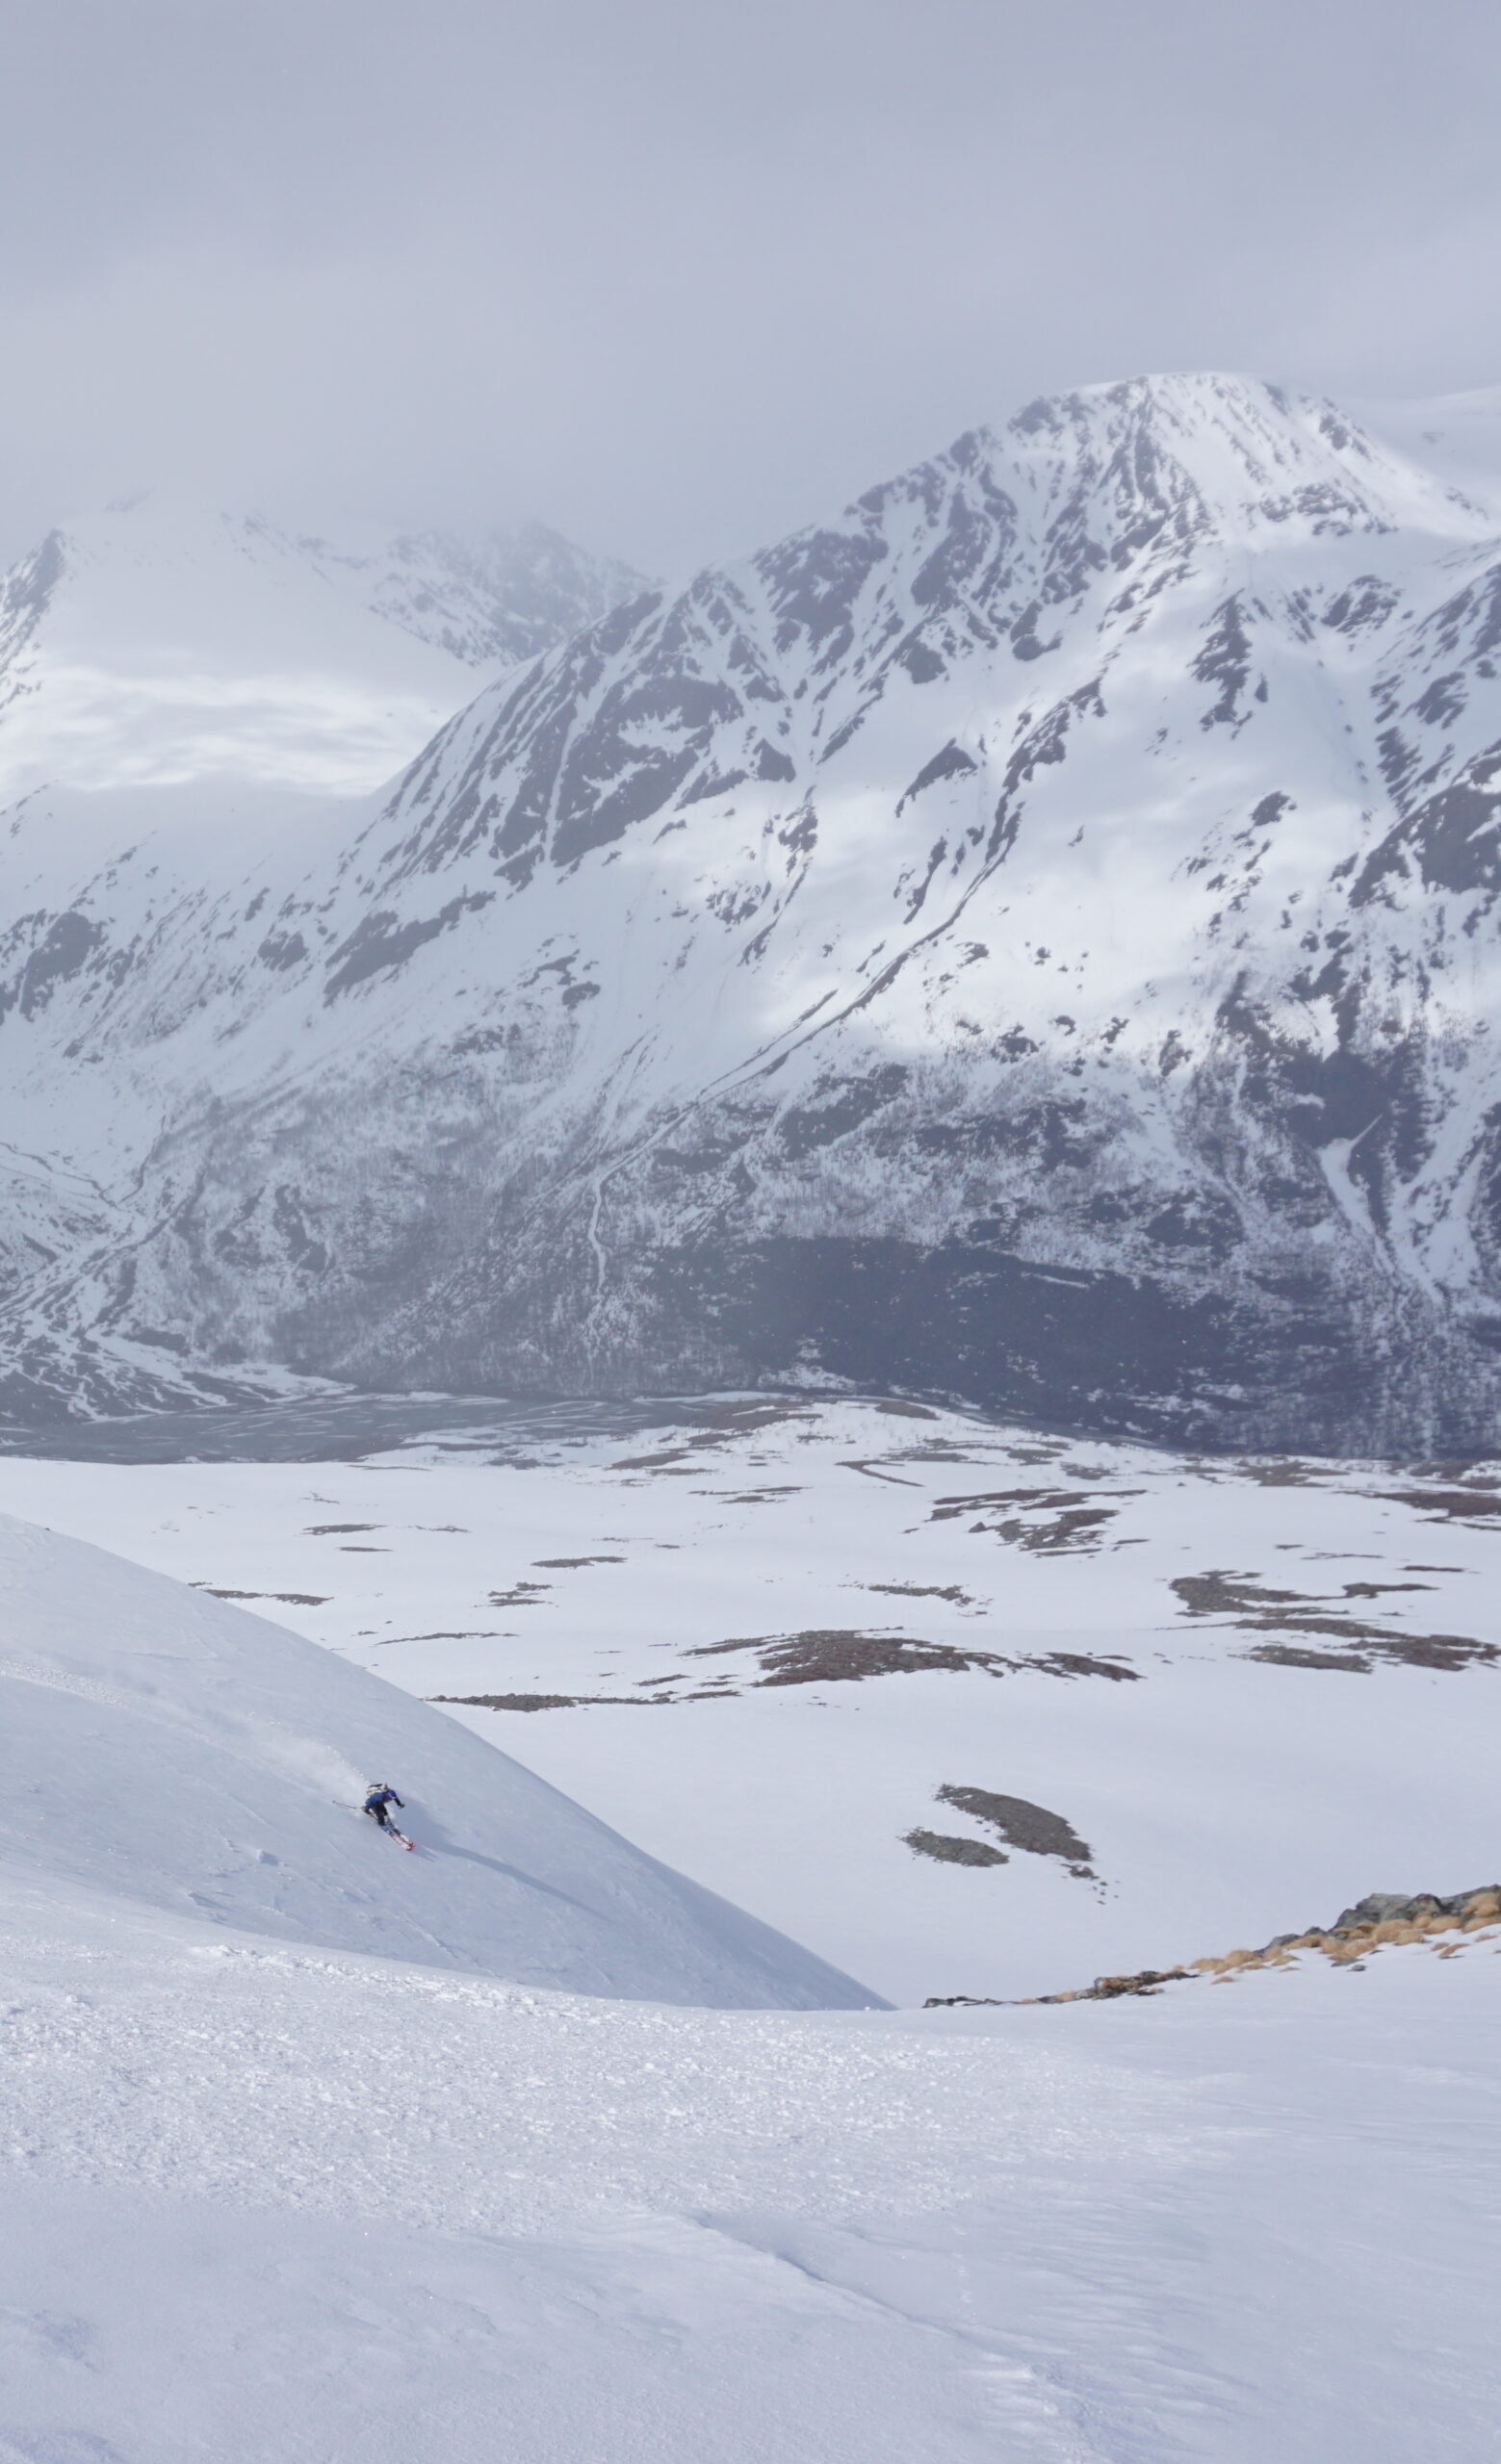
(1028, 939)
(164, 648)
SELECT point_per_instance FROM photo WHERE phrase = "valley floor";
(261, 2198)
(766, 1637)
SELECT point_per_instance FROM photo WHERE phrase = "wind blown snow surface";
(263, 2192)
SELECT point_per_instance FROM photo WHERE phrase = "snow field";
(1223, 1799)
(264, 2192)
(257, 2199)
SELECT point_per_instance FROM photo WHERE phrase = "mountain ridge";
(725, 996)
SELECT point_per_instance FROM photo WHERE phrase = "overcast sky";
(678, 275)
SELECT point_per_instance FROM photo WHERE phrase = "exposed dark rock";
(1024, 1826)
(950, 1850)
(1260, 1608)
(1381, 1920)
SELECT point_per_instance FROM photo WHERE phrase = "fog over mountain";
(163, 645)
(1026, 938)
(678, 279)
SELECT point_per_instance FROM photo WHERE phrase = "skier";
(379, 1799)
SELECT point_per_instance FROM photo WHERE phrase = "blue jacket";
(383, 1797)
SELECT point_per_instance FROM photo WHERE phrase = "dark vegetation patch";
(734, 1419)
(931, 1449)
(1261, 1608)
(950, 1850)
(1106, 1989)
(545, 1701)
(713, 1425)
(1218, 1594)
(578, 1561)
(1074, 1530)
(1289, 1474)
(1374, 1590)
(843, 1656)
(1449, 1506)
(459, 1634)
(803, 1128)
(289, 1599)
(1288, 1655)
(522, 1595)
(1033, 1829)
(321, 1530)
(818, 1656)
(1084, 1664)
(835, 1655)
(906, 1411)
(950, 1591)
(510, 1701)
(1045, 1520)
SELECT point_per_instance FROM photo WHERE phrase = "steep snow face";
(1031, 938)
(165, 1749)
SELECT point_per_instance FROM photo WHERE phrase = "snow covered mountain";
(1029, 938)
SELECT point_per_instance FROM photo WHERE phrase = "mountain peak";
(1219, 449)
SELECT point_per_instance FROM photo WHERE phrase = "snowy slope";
(1027, 938)
(1457, 435)
(257, 2200)
(301, 2142)
(1234, 1696)
(168, 1751)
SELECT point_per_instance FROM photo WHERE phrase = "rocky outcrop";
(1375, 1923)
